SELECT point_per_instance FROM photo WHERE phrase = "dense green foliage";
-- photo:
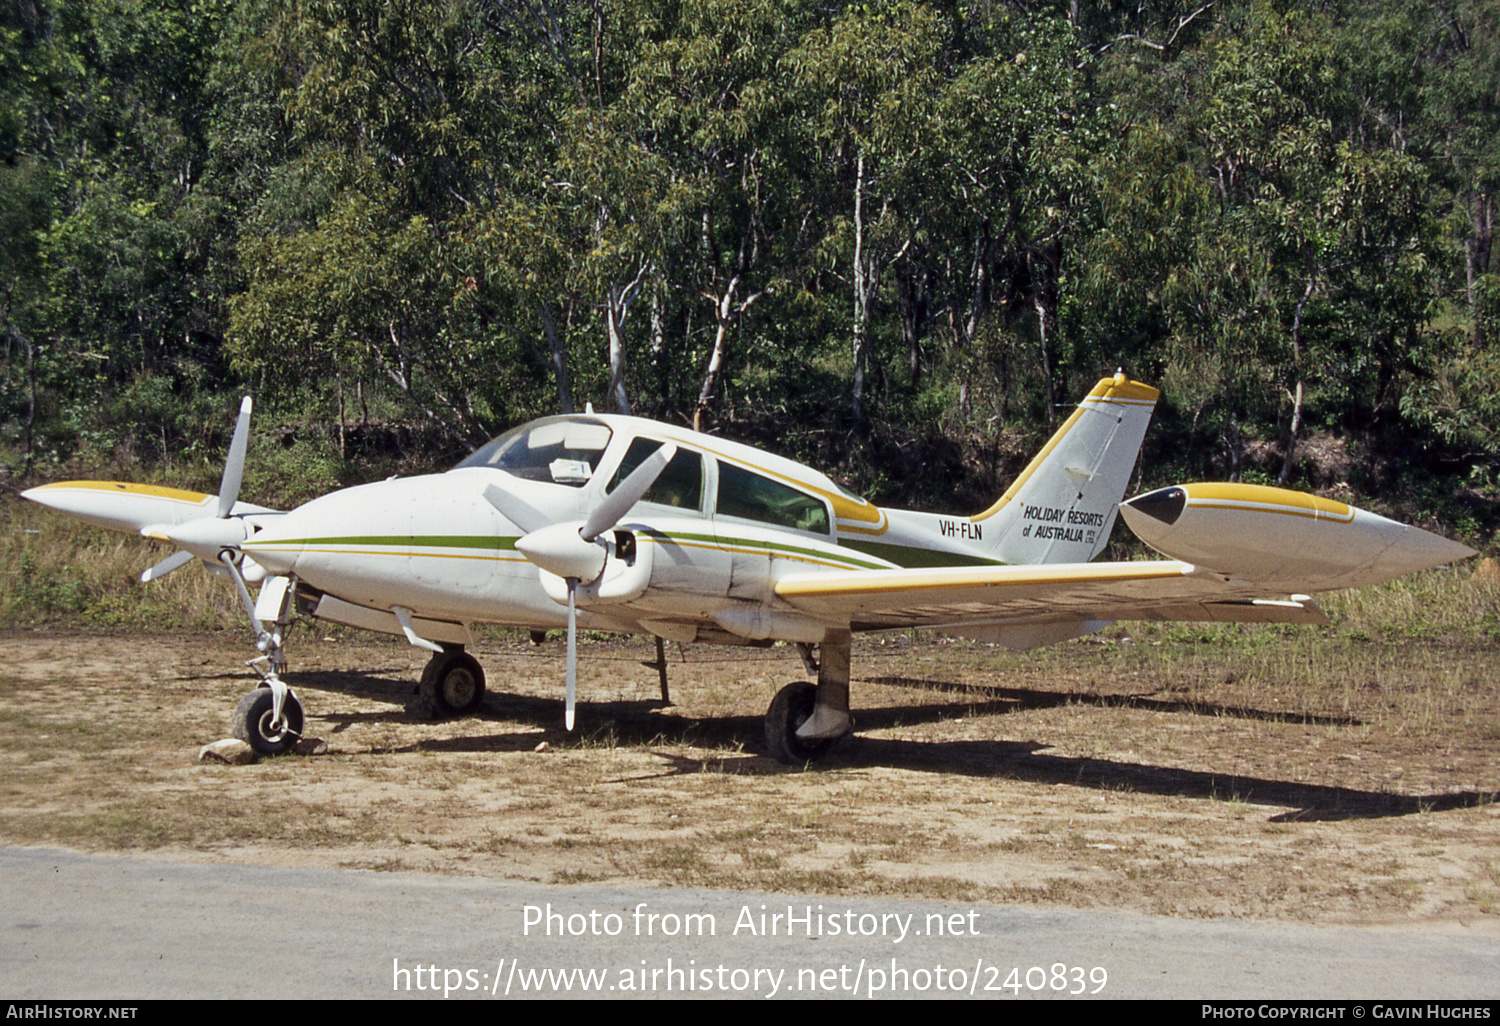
(892, 236)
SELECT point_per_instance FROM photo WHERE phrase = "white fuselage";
(700, 568)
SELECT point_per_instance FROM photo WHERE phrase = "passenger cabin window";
(562, 450)
(743, 493)
(680, 484)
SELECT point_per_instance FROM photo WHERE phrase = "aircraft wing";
(957, 598)
(1235, 546)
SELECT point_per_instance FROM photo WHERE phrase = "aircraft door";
(754, 517)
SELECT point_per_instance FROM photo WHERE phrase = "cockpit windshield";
(561, 450)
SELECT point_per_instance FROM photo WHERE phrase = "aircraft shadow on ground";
(1031, 698)
(637, 723)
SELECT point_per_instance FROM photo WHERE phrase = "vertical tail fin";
(1063, 506)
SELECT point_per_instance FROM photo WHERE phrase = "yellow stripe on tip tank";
(115, 487)
(1265, 499)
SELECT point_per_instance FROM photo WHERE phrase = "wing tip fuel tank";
(1268, 535)
(120, 506)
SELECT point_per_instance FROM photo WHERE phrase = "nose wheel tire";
(792, 707)
(252, 723)
(452, 683)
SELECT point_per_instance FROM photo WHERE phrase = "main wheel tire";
(251, 723)
(452, 683)
(792, 707)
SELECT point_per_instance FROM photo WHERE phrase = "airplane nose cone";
(1414, 549)
(560, 550)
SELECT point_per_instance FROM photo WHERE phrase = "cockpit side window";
(559, 450)
(743, 493)
(680, 484)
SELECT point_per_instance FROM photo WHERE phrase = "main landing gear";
(452, 682)
(805, 720)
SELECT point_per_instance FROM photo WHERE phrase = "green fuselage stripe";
(403, 544)
(907, 556)
(911, 557)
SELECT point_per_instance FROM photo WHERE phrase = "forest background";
(895, 239)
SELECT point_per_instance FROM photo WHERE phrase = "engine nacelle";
(625, 576)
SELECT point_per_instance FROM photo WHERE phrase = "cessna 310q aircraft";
(613, 523)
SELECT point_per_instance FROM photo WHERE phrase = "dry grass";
(56, 569)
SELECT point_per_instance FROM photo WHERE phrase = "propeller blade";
(234, 464)
(180, 558)
(572, 674)
(517, 511)
(627, 493)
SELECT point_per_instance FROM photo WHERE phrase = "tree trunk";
(1296, 397)
(912, 293)
(1478, 248)
(1045, 352)
(861, 296)
(722, 310)
(616, 321)
(558, 359)
(1291, 436)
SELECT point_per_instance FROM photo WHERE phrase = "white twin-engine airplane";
(619, 524)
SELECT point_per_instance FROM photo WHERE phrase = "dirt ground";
(1154, 777)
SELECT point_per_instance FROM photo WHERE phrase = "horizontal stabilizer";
(1304, 611)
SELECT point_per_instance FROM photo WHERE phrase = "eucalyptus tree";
(704, 91)
(865, 85)
(1461, 45)
(1446, 58)
(422, 130)
(944, 143)
(109, 284)
(1273, 252)
(1018, 127)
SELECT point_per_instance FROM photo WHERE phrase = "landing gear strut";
(806, 720)
(268, 719)
(452, 682)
